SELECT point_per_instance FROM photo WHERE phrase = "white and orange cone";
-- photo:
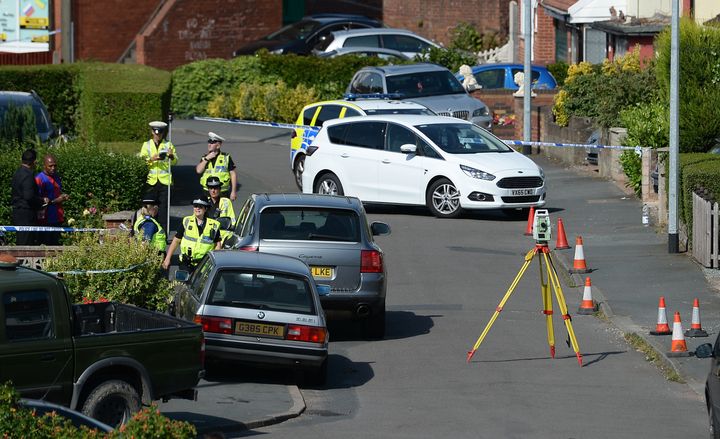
(587, 306)
(662, 327)
(678, 348)
(696, 329)
(579, 265)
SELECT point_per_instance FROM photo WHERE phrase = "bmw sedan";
(444, 163)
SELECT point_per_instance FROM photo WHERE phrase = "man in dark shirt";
(26, 201)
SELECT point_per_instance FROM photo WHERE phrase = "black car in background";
(45, 129)
(302, 36)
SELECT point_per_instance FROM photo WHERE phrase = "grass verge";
(653, 357)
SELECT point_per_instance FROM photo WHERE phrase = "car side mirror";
(323, 290)
(182, 276)
(704, 351)
(408, 148)
(225, 223)
(231, 241)
(378, 228)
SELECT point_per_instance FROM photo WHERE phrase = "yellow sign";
(34, 23)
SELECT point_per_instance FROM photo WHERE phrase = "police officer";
(160, 156)
(147, 228)
(196, 236)
(218, 164)
(219, 206)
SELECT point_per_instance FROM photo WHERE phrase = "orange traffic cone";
(678, 347)
(579, 265)
(662, 327)
(561, 243)
(531, 219)
(587, 306)
(696, 329)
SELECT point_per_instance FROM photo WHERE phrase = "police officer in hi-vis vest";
(219, 206)
(196, 236)
(160, 156)
(218, 164)
(147, 228)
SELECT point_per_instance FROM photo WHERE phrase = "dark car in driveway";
(332, 236)
(712, 385)
(302, 36)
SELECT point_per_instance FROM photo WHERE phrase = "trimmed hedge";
(695, 170)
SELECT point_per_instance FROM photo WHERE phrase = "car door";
(403, 177)
(36, 349)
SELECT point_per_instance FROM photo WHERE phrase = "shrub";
(465, 37)
(451, 59)
(140, 283)
(631, 163)
(559, 70)
(646, 123)
(699, 94)
(272, 102)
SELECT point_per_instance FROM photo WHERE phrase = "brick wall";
(190, 30)
(436, 18)
(503, 104)
(543, 39)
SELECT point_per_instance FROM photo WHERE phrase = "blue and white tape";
(46, 229)
(311, 131)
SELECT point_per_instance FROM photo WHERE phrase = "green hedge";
(695, 170)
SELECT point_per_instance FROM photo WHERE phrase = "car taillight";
(371, 261)
(249, 248)
(306, 333)
(311, 150)
(219, 325)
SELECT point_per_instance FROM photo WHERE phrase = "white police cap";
(213, 136)
(157, 125)
(200, 202)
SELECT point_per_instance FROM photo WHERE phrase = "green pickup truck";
(104, 359)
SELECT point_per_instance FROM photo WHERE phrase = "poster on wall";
(25, 25)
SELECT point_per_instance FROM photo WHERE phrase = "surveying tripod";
(541, 248)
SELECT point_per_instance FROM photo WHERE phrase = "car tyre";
(443, 199)
(113, 402)
(375, 324)
(329, 184)
(298, 170)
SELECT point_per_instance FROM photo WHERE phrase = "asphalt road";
(445, 279)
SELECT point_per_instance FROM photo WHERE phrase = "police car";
(313, 116)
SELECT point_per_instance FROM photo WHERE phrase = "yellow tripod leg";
(563, 307)
(547, 309)
(528, 259)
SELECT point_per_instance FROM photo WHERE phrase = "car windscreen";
(295, 31)
(462, 138)
(309, 224)
(42, 124)
(421, 111)
(421, 84)
(263, 290)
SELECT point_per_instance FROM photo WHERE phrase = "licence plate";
(260, 329)
(321, 272)
(523, 191)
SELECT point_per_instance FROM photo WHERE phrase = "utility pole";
(527, 82)
(673, 246)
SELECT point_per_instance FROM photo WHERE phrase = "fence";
(705, 234)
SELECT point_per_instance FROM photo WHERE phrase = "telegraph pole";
(673, 246)
(527, 113)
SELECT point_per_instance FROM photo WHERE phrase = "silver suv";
(332, 236)
(428, 84)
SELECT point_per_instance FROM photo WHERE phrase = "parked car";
(257, 308)
(443, 163)
(332, 236)
(712, 385)
(401, 40)
(302, 36)
(502, 75)
(103, 359)
(314, 115)
(431, 85)
(390, 55)
(45, 129)
(42, 408)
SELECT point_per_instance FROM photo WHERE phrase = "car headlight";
(482, 111)
(542, 173)
(476, 173)
(277, 51)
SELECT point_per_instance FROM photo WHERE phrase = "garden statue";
(469, 82)
(519, 79)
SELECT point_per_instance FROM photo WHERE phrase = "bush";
(695, 170)
(143, 285)
(559, 70)
(274, 102)
(646, 123)
(631, 163)
(451, 59)
(699, 94)
(16, 420)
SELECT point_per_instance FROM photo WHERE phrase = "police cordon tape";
(507, 142)
(46, 229)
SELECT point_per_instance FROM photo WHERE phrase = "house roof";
(636, 26)
(557, 8)
(590, 11)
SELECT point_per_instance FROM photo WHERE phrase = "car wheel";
(443, 199)
(375, 324)
(298, 170)
(113, 402)
(328, 184)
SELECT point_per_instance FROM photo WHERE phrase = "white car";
(401, 40)
(444, 163)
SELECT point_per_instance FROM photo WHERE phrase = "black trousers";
(25, 217)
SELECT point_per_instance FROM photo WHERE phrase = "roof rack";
(356, 96)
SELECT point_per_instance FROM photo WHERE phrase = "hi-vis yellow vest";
(158, 240)
(195, 245)
(158, 170)
(219, 170)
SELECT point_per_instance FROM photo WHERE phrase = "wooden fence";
(705, 234)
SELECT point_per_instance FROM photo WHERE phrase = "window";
(398, 136)
(534, 73)
(308, 115)
(200, 277)
(350, 112)
(462, 138)
(363, 41)
(242, 220)
(491, 79)
(336, 134)
(328, 112)
(27, 315)
(366, 135)
(367, 82)
(404, 43)
(262, 290)
(309, 224)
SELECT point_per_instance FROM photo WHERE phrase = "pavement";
(631, 268)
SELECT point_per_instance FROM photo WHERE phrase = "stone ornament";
(519, 79)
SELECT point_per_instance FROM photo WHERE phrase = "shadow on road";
(398, 324)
